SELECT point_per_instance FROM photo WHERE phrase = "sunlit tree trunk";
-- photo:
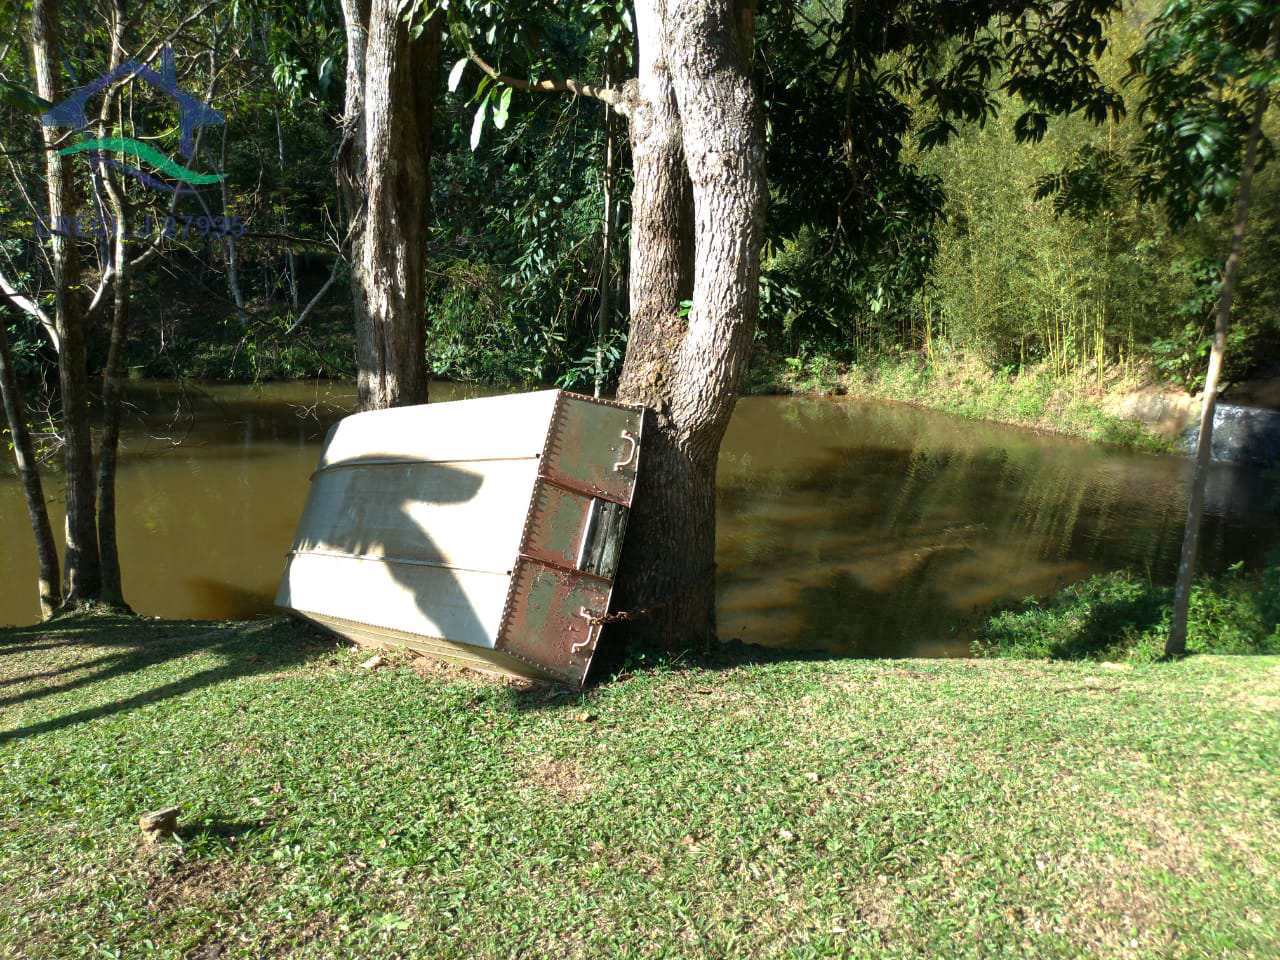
(350, 161)
(24, 456)
(606, 248)
(83, 576)
(1176, 645)
(698, 113)
(112, 590)
(384, 171)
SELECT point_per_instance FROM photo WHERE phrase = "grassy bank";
(1074, 406)
(1119, 617)
(799, 808)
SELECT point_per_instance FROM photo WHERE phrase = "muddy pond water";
(863, 528)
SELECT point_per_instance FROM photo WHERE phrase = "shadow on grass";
(246, 649)
(49, 674)
(1108, 625)
(615, 664)
(218, 831)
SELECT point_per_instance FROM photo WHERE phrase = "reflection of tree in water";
(901, 541)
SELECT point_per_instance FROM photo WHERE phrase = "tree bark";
(661, 272)
(83, 577)
(698, 112)
(232, 253)
(385, 172)
(24, 456)
(606, 248)
(350, 157)
(290, 262)
(350, 161)
(112, 590)
(1176, 644)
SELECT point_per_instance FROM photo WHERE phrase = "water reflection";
(870, 529)
(875, 529)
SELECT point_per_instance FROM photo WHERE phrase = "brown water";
(864, 528)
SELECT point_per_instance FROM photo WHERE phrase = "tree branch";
(613, 96)
(314, 301)
(28, 306)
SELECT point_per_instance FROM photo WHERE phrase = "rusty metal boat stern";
(484, 532)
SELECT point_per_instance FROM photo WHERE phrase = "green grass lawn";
(800, 808)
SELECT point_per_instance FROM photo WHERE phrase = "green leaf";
(20, 98)
(455, 75)
(477, 125)
(503, 109)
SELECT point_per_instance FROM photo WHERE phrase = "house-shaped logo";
(193, 113)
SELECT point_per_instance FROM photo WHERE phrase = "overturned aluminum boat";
(485, 532)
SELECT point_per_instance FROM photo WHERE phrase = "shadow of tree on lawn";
(246, 649)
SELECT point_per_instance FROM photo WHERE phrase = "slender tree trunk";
(1176, 645)
(83, 575)
(112, 591)
(290, 262)
(24, 455)
(233, 259)
(694, 82)
(349, 160)
(606, 248)
(350, 157)
(385, 173)
(112, 395)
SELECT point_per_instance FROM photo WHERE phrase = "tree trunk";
(350, 156)
(29, 473)
(233, 257)
(349, 161)
(83, 578)
(1176, 644)
(606, 249)
(694, 84)
(112, 591)
(290, 262)
(385, 172)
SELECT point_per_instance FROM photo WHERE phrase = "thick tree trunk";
(694, 82)
(24, 455)
(723, 134)
(83, 578)
(385, 168)
(1176, 644)
(661, 272)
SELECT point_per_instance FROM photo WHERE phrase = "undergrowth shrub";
(1117, 616)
